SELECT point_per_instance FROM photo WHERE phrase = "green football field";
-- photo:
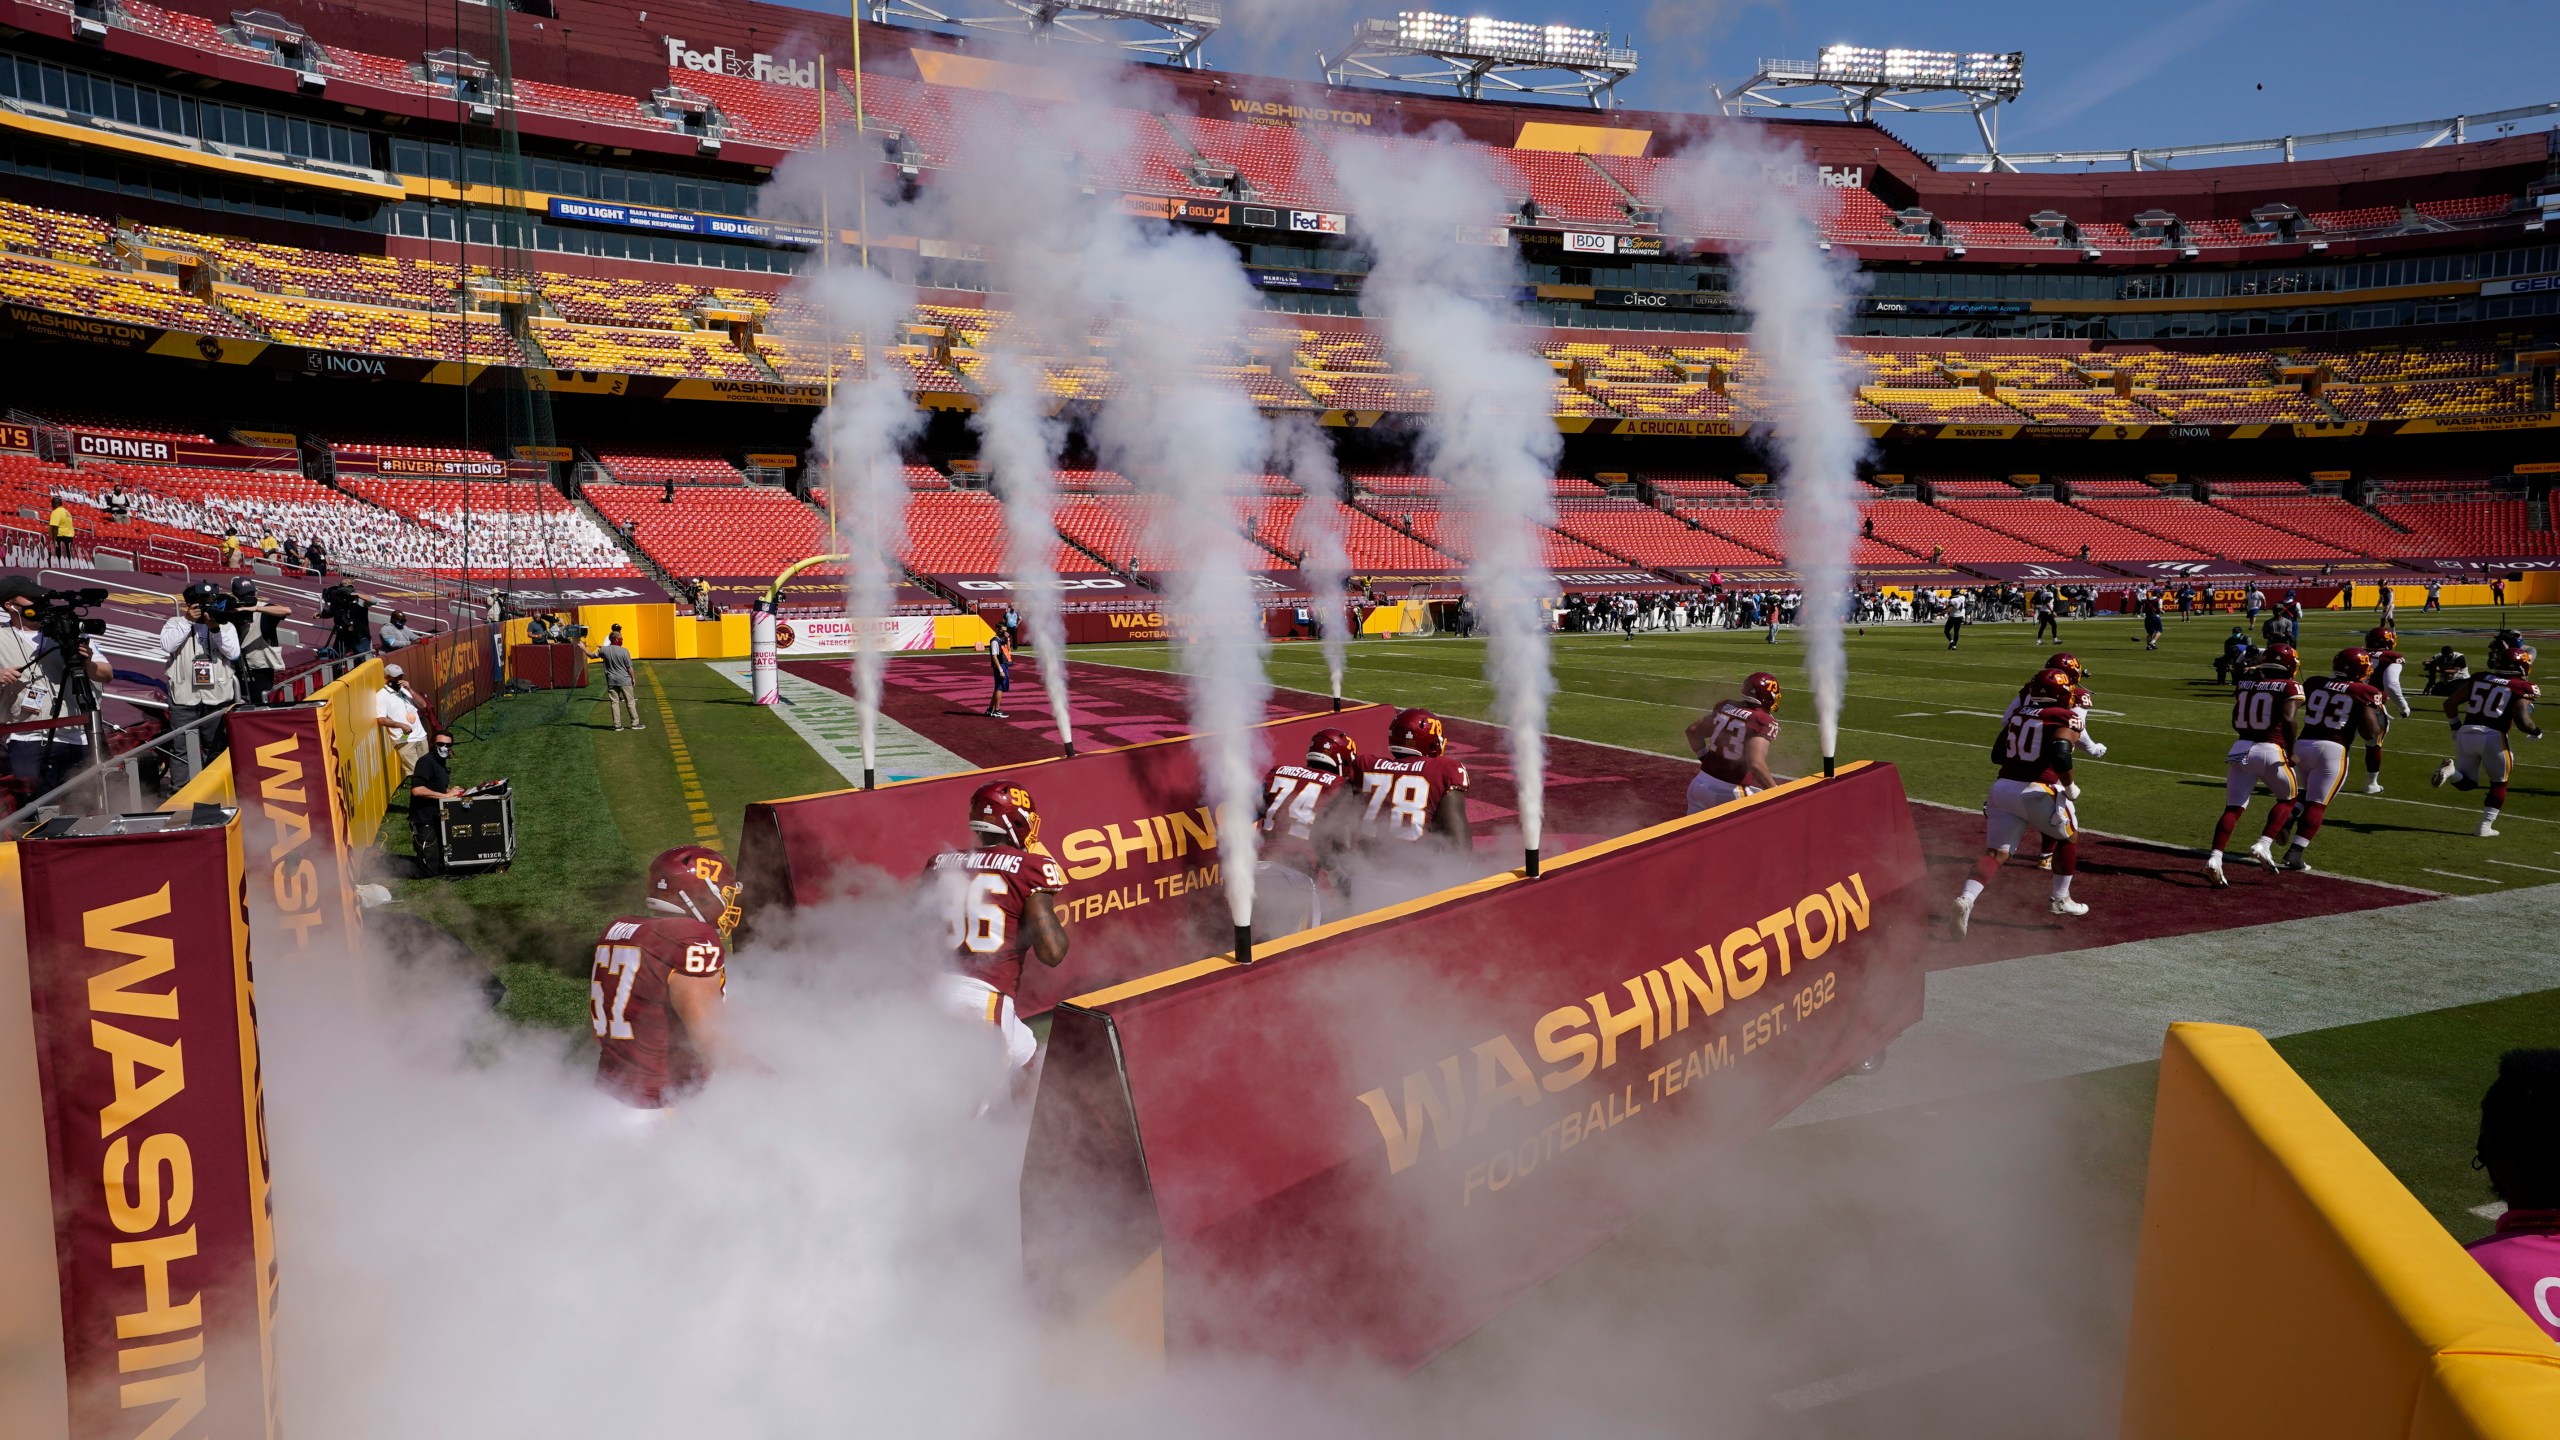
(1946, 1214)
(1934, 712)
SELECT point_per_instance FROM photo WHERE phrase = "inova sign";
(721, 60)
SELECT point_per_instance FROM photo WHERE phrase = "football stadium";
(733, 720)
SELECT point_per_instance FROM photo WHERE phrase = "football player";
(2383, 644)
(2033, 791)
(2266, 717)
(1001, 901)
(1307, 829)
(1732, 745)
(2484, 712)
(2338, 710)
(1418, 791)
(656, 986)
(2078, 674)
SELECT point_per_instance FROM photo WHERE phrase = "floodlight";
(1427, 47)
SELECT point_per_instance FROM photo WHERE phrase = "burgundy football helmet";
(1334, 752)
(1005, 811)
(695, 880)
(1416, 732)
(1761, 689)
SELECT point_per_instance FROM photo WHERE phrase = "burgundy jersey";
(2385, 659)
(991, 890)
(1294, 798)
(1729, 736)
(1403, 794)
(2258, 708)
(2333, 709)
(643, 1055)
(2496, 701)
(2031, 747)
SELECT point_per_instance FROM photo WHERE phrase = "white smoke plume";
(1308, 458)
(1021, 444)
(1184, 429)
(1447, 311)
(1797, 296)
(837, 305)
(1021, 200)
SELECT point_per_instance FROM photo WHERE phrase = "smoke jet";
(1308, 457)
(1796, 295)
(1022, 445)
(1490, 432)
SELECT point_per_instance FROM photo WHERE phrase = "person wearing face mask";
(396, 715)
(430, 783)
(35, 685)
(201, 648)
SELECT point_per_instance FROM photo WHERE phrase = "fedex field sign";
(721, 60)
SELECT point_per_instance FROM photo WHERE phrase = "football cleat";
(2213, 872)
(2487, 830)
(2264, 852)
(2044, 862)
(1962, 918)
(2373, 786)
(2065, 905)
(2298, 860)
(2444, 772)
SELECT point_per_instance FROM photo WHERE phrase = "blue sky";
(2098, 76)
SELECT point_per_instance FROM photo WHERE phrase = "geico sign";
(1100, 582)
(721, 60)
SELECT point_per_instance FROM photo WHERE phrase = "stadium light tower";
(1859, 80)
(1469, 53)
(1168, 31)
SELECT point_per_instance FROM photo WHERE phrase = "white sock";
(1972, 887)
(2061, 887)
(2301, 844)
(2213, 857)
(2488, 814)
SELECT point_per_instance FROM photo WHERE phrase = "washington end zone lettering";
(149, 1176)
(1577, 1043)
(284, 794)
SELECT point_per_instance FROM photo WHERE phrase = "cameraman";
(396, 714)
(350, 618)
(261, 627)
(33, 679)
(430, 782)
(200, 646)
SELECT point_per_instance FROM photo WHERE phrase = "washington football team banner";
(1373, 1138)
(284, 767)
(1130, 825)
(147, 1057)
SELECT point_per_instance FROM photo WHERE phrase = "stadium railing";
(2289, 1285)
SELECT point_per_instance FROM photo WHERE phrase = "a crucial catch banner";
(1371, 1139)
(1130, 826)
(138, 988)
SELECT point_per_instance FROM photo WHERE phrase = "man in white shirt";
(200, 648)
(396, 715)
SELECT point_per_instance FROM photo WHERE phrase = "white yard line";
(832, 725)
(2458, 875)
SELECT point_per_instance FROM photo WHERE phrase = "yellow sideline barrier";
(2288, 1285)
(2534, 587)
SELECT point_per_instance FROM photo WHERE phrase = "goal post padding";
(1131, 825)
(1374, 1137)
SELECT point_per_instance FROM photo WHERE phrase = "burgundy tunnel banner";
(1377, 1136)
(146, 1048)
(1130, 825)
(284, 764)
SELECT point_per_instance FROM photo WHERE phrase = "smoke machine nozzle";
(1529, 862)
(1244, 944)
